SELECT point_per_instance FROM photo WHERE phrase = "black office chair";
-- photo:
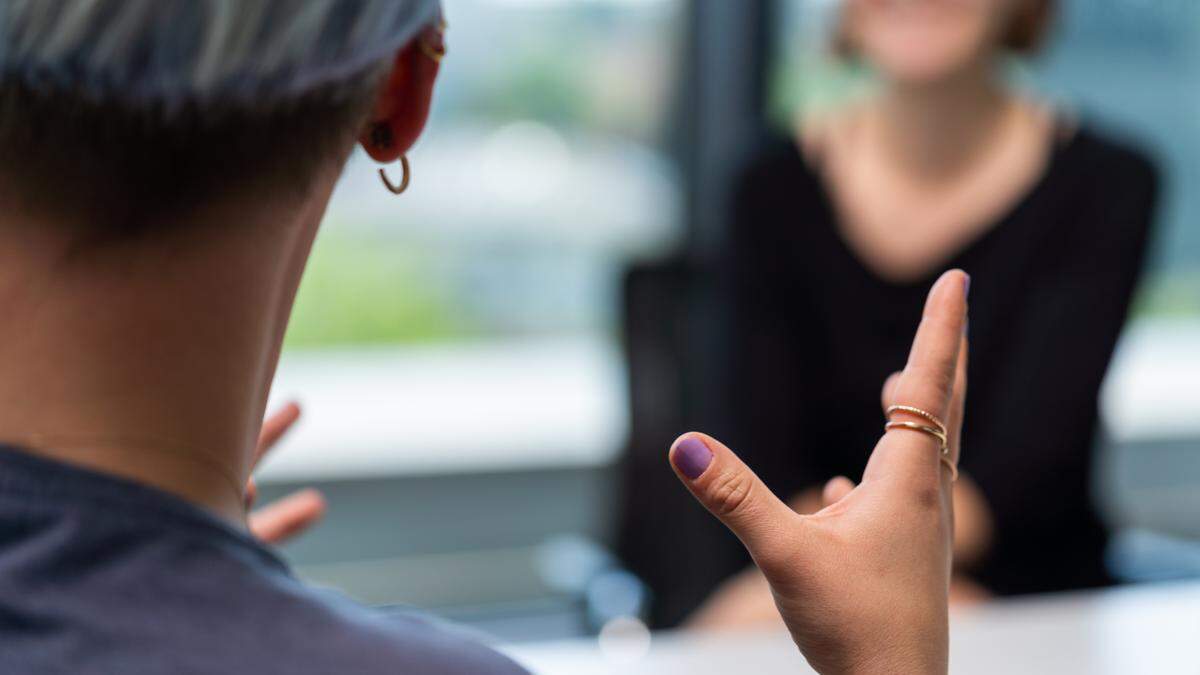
(674, 337)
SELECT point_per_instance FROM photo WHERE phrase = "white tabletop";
(1152, 629)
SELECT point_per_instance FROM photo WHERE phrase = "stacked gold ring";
(938, 431)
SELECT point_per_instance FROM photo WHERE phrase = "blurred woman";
(836, 233)
(164, 168)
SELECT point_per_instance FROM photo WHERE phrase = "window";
(541, 175)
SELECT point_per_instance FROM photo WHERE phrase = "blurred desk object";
(1150, 629)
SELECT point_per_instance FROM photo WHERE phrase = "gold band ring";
(925, 429)
(923, 414)
(938, 431)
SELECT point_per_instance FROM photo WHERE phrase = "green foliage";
(1169, 295)
(815, 83)
(532, 85)
(368, 290)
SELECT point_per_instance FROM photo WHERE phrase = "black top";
(100, 575)
(817, 333)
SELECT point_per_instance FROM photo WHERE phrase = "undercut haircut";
(110, 165)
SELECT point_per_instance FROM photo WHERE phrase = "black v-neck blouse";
(817, 333)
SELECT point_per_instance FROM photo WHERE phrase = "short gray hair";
(174, 53)
(149, 107)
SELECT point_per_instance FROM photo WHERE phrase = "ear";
(402, 104)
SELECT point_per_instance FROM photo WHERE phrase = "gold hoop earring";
(435, 54)
(393, 188)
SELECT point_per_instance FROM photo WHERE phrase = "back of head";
(116, 112)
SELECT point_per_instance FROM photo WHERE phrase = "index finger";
(927, 382)
(274, 427)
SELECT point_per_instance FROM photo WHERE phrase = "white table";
(1152, 629)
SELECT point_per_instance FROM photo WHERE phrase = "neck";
(931, 130)
(149, 356)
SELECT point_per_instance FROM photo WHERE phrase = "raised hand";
(294, 514)
(862, 584)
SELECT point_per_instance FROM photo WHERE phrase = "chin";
(915, 61)
(921, 42)
(919, 71)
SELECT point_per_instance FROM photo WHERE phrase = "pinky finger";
(282, 520)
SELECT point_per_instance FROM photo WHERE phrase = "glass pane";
(540, 174)
(1137, 64)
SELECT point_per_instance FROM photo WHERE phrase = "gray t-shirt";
(102, 575)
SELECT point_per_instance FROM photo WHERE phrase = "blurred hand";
(862, 584)
(289, 517)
